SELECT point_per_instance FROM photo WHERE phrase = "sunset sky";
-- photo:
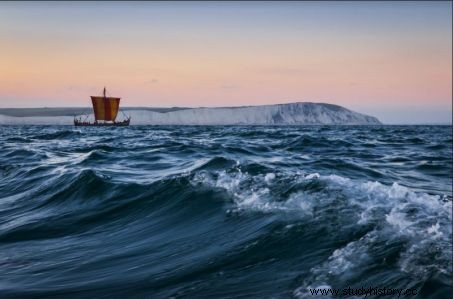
(392, 60)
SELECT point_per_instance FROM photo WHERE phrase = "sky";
(392, 60)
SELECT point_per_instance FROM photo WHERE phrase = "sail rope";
(124, 114)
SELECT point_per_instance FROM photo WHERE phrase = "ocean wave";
(192, 211)
(313, 141)
(57, 135)
(420, 223)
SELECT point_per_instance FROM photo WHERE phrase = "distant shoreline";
(12, 116)
(299, 113)
(71, 111)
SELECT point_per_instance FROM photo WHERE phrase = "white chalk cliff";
(280, 114)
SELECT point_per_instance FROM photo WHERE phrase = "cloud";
(82, 88)
(152, 81)
(230, 86)
(290, 71)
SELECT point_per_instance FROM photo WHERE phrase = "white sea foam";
(435, 230)
(312, 176)
(253, 191)
(420, 220)
(269, 177)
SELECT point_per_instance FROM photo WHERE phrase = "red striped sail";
(105, 108)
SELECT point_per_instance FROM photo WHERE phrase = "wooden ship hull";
(105, 112)
(123, 123)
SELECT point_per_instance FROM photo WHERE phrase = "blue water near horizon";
(224, 211)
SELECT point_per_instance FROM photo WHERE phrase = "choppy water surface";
(263, 212)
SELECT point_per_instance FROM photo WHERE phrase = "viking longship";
(105, 112)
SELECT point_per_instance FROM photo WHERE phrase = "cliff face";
(281, 114)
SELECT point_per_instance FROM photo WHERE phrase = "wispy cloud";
(230, 86)
(82, 88)
(152, 81)
(290, 71)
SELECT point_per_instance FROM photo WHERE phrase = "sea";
(225, 211)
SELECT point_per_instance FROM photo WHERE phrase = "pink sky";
(154, 54)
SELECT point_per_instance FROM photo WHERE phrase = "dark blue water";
(224, 212)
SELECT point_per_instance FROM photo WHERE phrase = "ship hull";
(123, 123)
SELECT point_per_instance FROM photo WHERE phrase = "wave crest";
(418, 223)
